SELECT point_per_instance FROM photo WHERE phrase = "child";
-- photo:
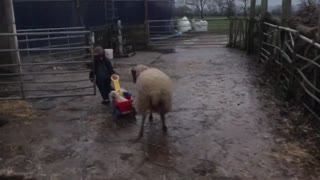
(103, 72)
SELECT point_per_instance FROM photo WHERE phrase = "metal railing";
(188, 33)
(55, 69)
(43, 38)
(297, 59)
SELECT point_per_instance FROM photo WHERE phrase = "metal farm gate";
(49, 62)
(188, 33)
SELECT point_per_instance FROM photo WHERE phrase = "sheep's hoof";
(164, 128)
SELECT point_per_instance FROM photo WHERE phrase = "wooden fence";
(297, 57)
(238, 33)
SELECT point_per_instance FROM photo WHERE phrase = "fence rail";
(52, 69)
(293, 58)
(49, 38)
(188, 33)
(297, 58)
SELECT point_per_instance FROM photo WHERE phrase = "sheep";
(154, 93)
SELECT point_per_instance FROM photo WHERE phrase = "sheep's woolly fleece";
(153, 87)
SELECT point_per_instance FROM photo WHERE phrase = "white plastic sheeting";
(184, 25)
(200, 25)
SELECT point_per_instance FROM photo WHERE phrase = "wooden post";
(286, 12)
(251, 27)
(264, 7)
(7, 25)
(264, 10)
(231, 21)
(120, 38)
(146, 20)
(316, 70)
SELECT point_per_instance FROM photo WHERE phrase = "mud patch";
(204, 168)
(15, 177)
(50, 155)
(125, 156)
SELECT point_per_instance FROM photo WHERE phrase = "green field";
(218, 24)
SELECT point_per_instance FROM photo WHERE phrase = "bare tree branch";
(200, 5)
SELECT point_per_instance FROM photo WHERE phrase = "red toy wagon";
(121, 102)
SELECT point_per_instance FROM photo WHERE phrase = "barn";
(88, 13)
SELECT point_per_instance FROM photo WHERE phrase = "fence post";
(292, 68)
(91, 43)
(28, 46)
(49, 43)
(251, 26)
(261, 39)
(231, 31)
(146, 20)
(286, 12)
(316, 70)
(120, 38)
(264, 10)
(8, 25)
(264, 7)
(68, 35)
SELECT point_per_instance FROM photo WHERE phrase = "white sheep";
(154, 93)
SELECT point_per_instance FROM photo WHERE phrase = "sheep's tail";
(155, 99)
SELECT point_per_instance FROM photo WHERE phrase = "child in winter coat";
(103, 72)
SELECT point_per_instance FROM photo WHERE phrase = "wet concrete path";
(219, 128)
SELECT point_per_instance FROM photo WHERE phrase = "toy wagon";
(121, 101)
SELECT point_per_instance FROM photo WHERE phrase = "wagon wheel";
(116, 113)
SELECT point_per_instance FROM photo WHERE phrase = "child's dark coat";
(103, 71)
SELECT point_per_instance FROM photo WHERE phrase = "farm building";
(89, 13)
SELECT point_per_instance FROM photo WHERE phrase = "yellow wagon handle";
(115, 80)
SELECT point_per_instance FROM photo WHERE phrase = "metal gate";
(48, 63)
(186, 33)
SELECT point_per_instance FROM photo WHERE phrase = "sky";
(278, 2)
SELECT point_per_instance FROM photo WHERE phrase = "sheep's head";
(136, 71)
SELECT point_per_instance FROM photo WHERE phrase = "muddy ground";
(220, 128)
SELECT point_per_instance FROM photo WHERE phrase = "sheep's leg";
(150, 117)
(142, 126)
(164, 127)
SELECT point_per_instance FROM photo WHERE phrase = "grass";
(16, 109)
(219, 24)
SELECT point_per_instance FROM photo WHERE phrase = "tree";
(212, 8)
(217, 7)
(200, 5)
(230, 8)
(306, 3)
(244, 7)
(183, 11)
(179, 3)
